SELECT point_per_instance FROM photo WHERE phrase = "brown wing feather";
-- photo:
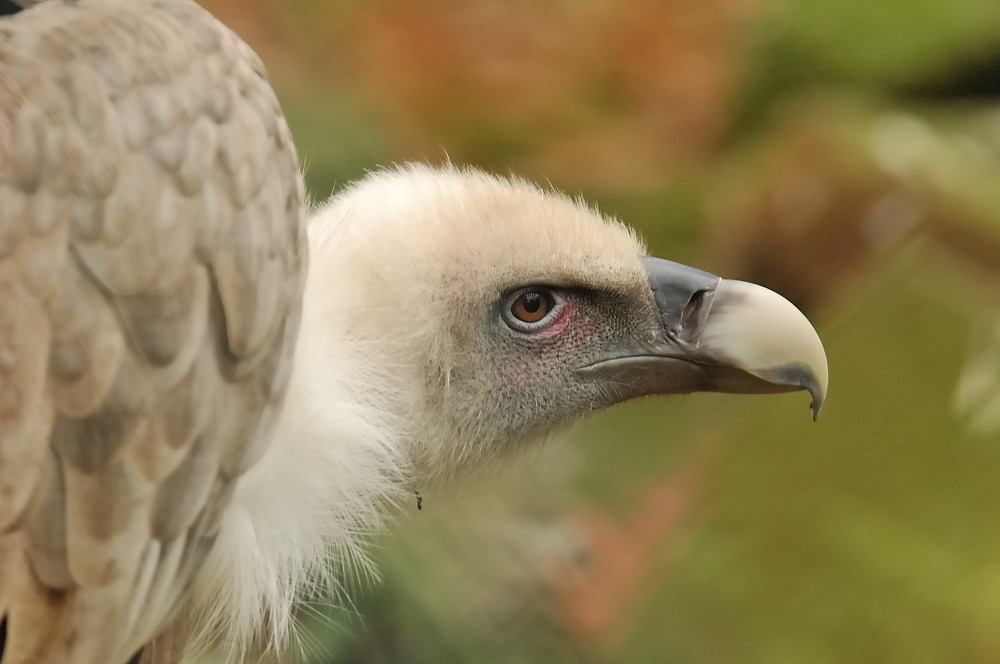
(151, 260)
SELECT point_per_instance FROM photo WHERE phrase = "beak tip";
(817, 391)
(816, 406)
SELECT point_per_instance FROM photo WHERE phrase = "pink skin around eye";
(559, 324)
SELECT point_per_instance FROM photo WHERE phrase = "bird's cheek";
(521, 376)
(544, 356)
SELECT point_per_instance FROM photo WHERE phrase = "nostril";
(3, 635)
(695, 315)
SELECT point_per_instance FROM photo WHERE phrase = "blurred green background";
(846, 154)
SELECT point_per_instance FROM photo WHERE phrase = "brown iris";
(531, 306)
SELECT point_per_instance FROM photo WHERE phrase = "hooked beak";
(719, 335)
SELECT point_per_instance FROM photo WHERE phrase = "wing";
(152, 252)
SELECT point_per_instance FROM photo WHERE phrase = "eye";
(530, 309)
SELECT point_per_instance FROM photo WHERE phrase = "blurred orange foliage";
(615, 93)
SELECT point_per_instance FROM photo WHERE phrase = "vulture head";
(494, 312)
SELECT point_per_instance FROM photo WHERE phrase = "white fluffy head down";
(428, 253)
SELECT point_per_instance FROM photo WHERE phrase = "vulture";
(210, 393)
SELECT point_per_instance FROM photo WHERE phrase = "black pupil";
(532, 302)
